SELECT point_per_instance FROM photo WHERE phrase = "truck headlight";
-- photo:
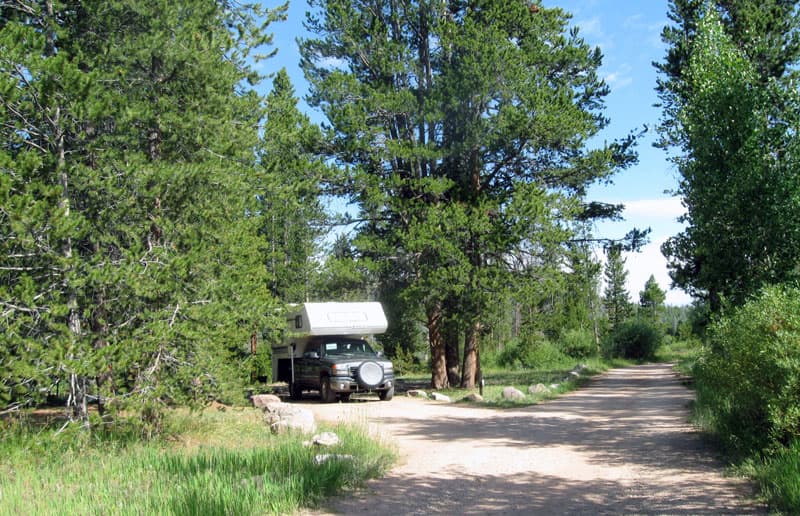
(341, 369)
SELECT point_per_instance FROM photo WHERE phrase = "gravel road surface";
(621, 445)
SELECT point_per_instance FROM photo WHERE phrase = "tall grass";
(779, 479)
(207, 468)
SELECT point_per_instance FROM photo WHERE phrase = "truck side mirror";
(311, 354)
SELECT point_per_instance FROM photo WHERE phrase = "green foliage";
(748, 378)
(292, 214)
(131, 211)
(651, 299)
(578, 343)
(467, 145)
(530, 353)
(616, 299)
(635, 339)
(731, 108)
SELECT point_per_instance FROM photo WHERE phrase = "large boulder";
(261, 401)
(283, 417)
(512, 393)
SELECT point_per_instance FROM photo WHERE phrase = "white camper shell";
(317, 338)
(353, 319)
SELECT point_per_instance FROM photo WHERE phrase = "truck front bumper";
(342, 384)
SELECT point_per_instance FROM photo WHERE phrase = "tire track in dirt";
(621, 445)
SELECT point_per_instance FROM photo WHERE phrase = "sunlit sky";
(628, 34)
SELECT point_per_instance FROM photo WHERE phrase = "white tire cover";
(370, 374)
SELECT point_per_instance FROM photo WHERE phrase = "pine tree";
(144, 276)
(616, 299)
(465, 124)
(292, 213)
(651, 299)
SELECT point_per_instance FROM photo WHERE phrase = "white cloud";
(671, 208)
(649, 261)
(620, 78)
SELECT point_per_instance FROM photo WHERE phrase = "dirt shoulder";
(621, 445)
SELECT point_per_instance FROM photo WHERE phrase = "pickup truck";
(338, 366)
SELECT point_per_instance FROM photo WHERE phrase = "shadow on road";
(621, 445)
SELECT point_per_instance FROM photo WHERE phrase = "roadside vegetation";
(747, 378)
(203, 463)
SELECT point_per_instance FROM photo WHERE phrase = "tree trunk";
(471, 369)
(452, 354)
(438, 355)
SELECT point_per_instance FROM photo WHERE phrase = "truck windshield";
(347, 347)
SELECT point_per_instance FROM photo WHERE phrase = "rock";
(539, 388)
(474, 397)
(323, 458)
(575, 374)
(262, 400)
(553, 386)
(325, 439)
(435, 396)
(282, 417)
(511, 393)
(416, 393)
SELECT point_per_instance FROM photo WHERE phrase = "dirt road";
(622, 445)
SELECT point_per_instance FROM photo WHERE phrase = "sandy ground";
(622, 445)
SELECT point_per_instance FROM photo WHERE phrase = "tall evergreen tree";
(731, 109)
(292, 213)
(466, 124)
(651, 299)
(616, 299)
(128, 156)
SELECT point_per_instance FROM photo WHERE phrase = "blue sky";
(628, 34)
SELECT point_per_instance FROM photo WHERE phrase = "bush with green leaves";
(578, 343)
(527, 353)
(634, 339)
(748, 376)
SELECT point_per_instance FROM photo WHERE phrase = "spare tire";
(370, 375)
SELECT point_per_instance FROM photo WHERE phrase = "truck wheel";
(325, 392)
(386, 395)
(295, 392)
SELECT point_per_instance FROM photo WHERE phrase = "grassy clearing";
(213, 463)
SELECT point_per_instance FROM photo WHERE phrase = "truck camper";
(326, 350)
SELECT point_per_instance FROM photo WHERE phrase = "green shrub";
(748, 375)
(578, 343)
(406, 363)
(530, 353)
(634, 339)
